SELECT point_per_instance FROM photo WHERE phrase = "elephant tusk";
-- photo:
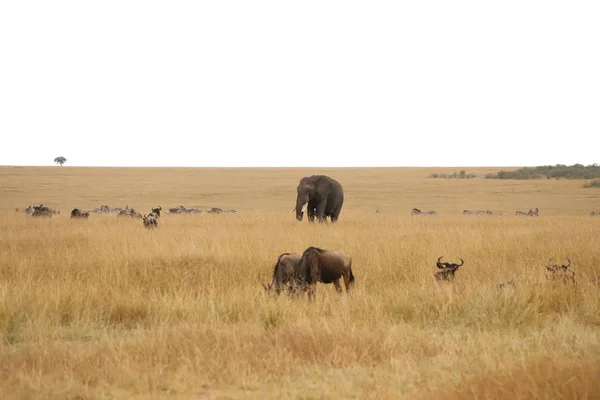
(304, 207)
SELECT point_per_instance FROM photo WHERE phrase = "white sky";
(304, 83)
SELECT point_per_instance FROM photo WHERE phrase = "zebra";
(416, 211)
(477, 212)
(529, 213)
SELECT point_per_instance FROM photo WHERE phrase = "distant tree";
(60, 160)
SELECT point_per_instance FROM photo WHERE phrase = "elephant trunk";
(301, 205)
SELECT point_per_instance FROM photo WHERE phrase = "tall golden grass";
(103, 308)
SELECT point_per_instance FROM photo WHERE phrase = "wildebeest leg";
(347, 281)
(337, 285)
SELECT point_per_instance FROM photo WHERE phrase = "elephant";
(321, 196)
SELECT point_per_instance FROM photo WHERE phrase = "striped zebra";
(529, 213)
(477, 212)
(416, 211)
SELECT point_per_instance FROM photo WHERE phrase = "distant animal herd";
(321, 197)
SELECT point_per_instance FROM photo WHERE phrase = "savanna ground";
(103, 308)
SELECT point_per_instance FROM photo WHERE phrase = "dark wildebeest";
(43, 211)
(416, 211)
(477, 212)
(326, 266)
(77, 213)
(560, 272)
(529, 213)
(217, 210)
(284, 273)
(129, 212)
(447, 269)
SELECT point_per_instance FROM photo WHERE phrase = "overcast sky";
(304, 83)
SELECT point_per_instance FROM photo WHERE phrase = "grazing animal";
(284, 273)
(594, 214)
(326, 266)
(43, 211)
(416, 211)
(529, 213)
(477, 212)
(150, 222)
(77, 213)
(217, 210)
(560, 272)
(447, 269)
(129, 212)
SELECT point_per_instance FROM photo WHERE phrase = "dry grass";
(104, 308)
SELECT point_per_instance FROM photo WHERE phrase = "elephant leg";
(310, 209)
(321, 210)
(337, 285)
(336, 213)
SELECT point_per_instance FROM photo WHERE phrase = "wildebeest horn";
(461, 262)
(567, 266)
(549, 261)
(439, 264)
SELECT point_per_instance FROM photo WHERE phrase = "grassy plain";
(103, 308)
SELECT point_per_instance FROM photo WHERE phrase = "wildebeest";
(43, 211)
(150, 221)
(477, 212)
(529, 213)
(77, 213)
(560, 272)
(217, 210)
(594, 214)
(326, 266)
(416, 211)
(129, 212)
(284, 272)
(447, 269)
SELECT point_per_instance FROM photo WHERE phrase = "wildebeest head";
(558, 267)
(560, 271)
(447, 269)
(156, 211)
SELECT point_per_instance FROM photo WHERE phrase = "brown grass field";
(103, 308)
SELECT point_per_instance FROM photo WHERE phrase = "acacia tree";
(60, 160)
